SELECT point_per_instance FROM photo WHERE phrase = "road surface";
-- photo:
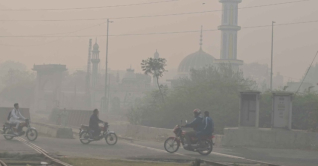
(154, 151)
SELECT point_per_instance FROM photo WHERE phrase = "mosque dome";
(195, 60)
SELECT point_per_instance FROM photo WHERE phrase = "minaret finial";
(96, 40)
(201, 37)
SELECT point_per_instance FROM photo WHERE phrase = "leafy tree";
(77, 78)
(155, 67)
(265, 110)
(9, 65)
(210, 89)
(18, 87)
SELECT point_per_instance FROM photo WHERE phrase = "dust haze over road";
(245, 70)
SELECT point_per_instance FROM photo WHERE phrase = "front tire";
(84, 136)
(111, 139)
(171, 145)
(209, 145)
(32, 134)
(8, 131)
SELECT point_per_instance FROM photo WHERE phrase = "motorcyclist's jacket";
(94, 121)
(15, 115)
(196, 124)
(208, 125)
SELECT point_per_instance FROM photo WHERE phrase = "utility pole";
(106, 68)
(272, 56)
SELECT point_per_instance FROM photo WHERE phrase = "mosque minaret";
(229, 29)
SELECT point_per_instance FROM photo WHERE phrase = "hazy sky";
(295, 45)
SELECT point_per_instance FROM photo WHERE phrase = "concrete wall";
(269, 138)
(73, 118)
(53, 130)
(4, 112)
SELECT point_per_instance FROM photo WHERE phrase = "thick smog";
(159, 82)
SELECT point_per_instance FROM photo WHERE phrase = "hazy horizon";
(292, 42)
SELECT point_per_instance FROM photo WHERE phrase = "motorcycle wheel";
(8, 131)
(171, 145)
(84, 136)
(111, 139)
(209, 145)
(32, 134)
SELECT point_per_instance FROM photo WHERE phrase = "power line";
(55, 34)
(87, 8)
(307, 72)
(77, 30)
(151, 16)
(155, 33)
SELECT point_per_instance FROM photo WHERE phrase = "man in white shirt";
(16, 118)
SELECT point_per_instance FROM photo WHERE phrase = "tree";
(6, 66)
(77, 78)
(155, 67)
(18, 87)
(210, 89)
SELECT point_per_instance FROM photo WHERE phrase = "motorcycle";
(85, 135)
(30, 133)
(203, 146)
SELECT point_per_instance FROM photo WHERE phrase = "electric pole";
(271, 83)
(106, 69)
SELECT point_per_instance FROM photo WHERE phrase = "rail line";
(42, 151)
(2, 163)
(211, 163)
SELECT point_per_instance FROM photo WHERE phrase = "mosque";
(228, 54)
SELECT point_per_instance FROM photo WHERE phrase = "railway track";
(43, 152)
(2, 163)
(211, 163)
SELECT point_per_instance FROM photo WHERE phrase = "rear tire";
(32, 134)
(8, 131)
(209, 145)
(171, 145)
(84, 136)
(111, 139)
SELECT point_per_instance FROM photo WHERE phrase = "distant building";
(196, 60)
(228, 54)
(260, 73)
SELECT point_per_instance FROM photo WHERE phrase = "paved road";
(154, 151)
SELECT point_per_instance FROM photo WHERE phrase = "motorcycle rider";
(197, 126)
(208, 126)
(15, 117)
(93, 123)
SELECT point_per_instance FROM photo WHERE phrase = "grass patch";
(100, 162)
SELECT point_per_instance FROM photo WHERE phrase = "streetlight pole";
(106, 68)
(271, 83)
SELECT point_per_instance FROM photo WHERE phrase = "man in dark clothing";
(208, 124)
(208, 129)
(94, 123)
(197, 126)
